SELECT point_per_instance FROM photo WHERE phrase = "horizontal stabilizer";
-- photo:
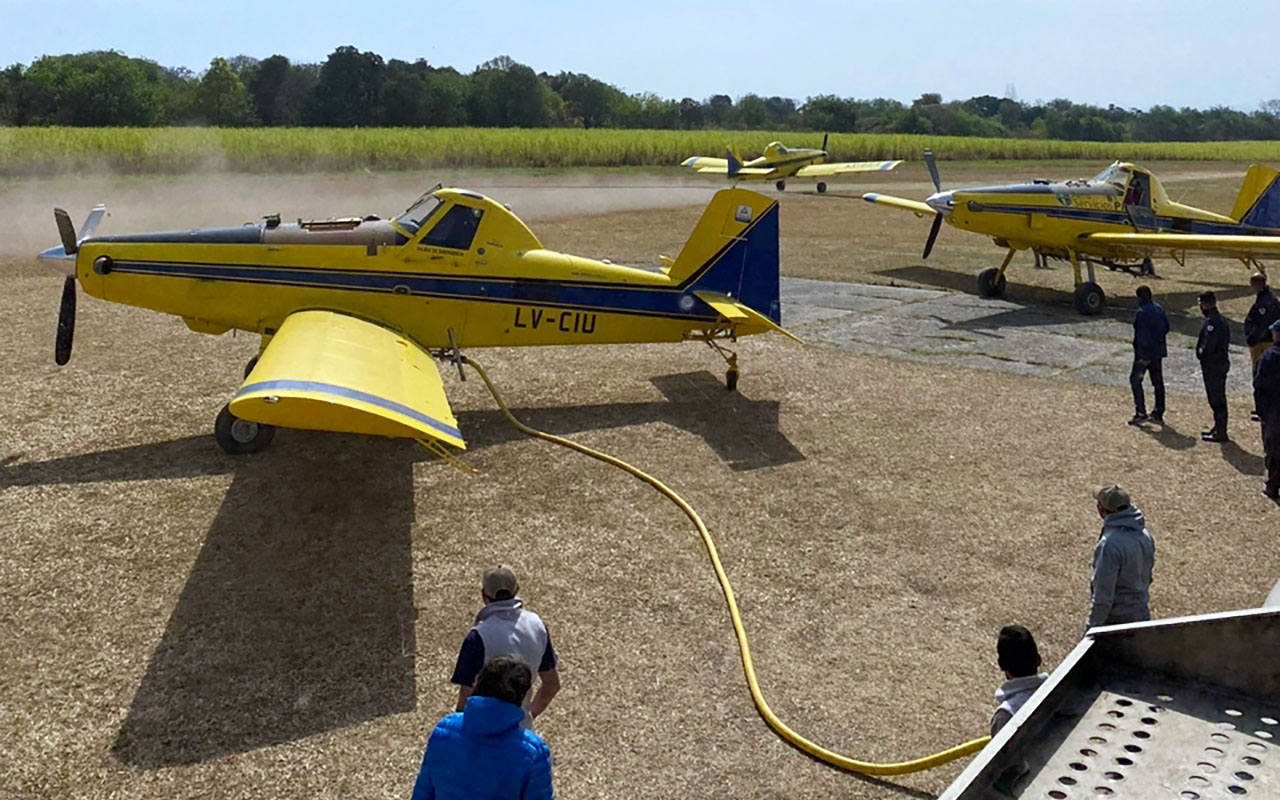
(915, 206)
(739, 314)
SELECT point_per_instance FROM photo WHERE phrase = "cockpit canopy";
(1117, 175)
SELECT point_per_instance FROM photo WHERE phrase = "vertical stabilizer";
(1258, 204)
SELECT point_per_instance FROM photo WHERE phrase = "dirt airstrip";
(179, 623)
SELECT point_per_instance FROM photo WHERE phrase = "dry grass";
(181, 623)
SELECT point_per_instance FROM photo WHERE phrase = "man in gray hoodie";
(1122, 562)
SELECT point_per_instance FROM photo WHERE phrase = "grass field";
(53, 151)
(179, 623)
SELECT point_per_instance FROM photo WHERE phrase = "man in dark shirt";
(1266, 398)
(1265, 310)
(1150, 326)
(1212, 348)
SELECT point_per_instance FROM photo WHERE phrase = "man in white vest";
(504, 627)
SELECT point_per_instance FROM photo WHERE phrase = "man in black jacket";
(1215, 363)
(1265, 310)
(1150, 326)
(1266, 398)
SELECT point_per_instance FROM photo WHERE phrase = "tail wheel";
(991, 283)
(782, 185)
(1089, 299)
(240, 436)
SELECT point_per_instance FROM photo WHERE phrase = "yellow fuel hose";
(779, 727)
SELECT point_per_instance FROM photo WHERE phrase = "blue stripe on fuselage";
(350, 394)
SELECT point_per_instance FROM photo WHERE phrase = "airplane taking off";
(1119, 217)
(351, 311)
(778, 163)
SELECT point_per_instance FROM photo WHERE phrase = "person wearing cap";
(1266, 398)
(1150, 326)
(485, 751)
(1213, 350)
(1123, 560)
(1257, 324)
(504, 627)
(1019, 659)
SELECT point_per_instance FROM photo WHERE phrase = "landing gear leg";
(1147, 268)
(730, 358)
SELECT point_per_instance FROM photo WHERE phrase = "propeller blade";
(66, 322)
(824, 142)
(933, 234)
(66, 231)
(91, 222)
(933, 169)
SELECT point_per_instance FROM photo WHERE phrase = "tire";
(782, 186)
(253, 362)
(1089, 299)
(731, 380)
(239, 437)
(822, 187)
(988, 285)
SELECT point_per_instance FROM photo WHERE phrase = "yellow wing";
(843, 167)
(740, 314)
(707, 164)
(332, 372)
(1234, 246)
(920, 209)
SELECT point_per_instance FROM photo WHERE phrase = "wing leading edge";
(1234, 246)
(332, 372)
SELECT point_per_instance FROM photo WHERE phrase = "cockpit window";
(456, 228)
(1115, 175)
(782, 151)
(417, 214)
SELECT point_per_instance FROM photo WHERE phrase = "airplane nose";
(940, 202)
(58, 254)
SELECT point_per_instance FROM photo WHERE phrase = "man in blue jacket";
(1213, 350)
(1257, 325)
(1266, 398)
(482, 752)
(1150, 326)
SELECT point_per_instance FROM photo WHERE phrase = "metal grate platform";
(1186, 709)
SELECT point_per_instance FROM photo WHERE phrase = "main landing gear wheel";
(240, 436)
(731, 379)
(991, 283)
(782, 185)
(822, 187)
(1089, 299)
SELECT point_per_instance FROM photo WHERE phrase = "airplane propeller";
(824, 142)
(937, 219)
(67, 252)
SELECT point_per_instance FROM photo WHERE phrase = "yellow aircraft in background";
(351, 311)
(1120, 218)
(778, 163)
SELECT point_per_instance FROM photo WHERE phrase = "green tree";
(348, 91)
(222, 99)
(98, 88)
(829, 114)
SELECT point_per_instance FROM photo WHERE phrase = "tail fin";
(734, 251)
(735, 161)
(1258, 204)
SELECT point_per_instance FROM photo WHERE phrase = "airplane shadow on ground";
(1039, 302)
(298, 614)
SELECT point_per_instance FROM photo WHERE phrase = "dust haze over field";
(178, 622)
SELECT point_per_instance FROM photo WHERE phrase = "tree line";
(354, 88)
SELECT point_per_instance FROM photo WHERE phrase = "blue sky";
(1174, 52)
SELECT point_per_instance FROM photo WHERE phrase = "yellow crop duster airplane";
(351, 311)
(1117, 218)
(778, 163)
